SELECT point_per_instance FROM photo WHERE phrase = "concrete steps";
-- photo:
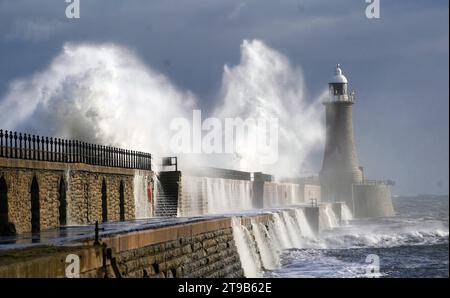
(167, 196)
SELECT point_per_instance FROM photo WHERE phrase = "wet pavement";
(74, 235)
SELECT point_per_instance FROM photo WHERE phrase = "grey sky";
(397, 64)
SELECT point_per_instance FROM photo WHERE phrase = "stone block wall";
(83, 192)
(211, 254)
(205, 249)
(85, 199)
(18, 183)
(372, 200)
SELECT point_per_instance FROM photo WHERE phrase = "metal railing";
(33, 147)
(376, 182)
(339, 98)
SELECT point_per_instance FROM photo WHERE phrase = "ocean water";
(412, 244)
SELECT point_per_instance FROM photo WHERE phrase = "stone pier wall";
(83, 192)
(211, 254)
(372, 200)
(200, 249)
(203, 248)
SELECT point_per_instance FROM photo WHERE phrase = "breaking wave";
(359, 240)
(103, 93)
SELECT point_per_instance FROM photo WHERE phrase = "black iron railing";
(33, 147)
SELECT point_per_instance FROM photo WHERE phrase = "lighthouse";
(340, 166)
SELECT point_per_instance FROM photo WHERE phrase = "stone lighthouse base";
(372, 200)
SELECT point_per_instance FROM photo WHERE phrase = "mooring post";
(96, 242)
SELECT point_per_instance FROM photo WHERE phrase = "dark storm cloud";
(397, 64)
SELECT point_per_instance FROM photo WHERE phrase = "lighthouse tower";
(340, 167)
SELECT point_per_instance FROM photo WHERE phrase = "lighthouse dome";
(338, 76)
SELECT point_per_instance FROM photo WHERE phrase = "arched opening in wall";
(62, 203)
(104, 202)
(122, 201)
(35, 207)
(3, 204)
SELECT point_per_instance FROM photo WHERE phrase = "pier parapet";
(372, 198)
(50, 182)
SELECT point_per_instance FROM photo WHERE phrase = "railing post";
(52, 156)
(78, 151)
(91, 154)
(115, 157)
(38, 147)
(96, 154)
(107, 156)
(46, 145)
(11, 149)
(100, 154)
(6, 144)
(124, 158)
(34, 147)
(88, 155)
(25, 152)
(122, 155)
(29, 147)
(111, 156)
(1, 142)
(57, 150)
(71, 151)
(15, 145)
(43, 148)
(60, 150)
(20, 145)
(136, 159)
(120, 158)
(75, 151)
(86, 151)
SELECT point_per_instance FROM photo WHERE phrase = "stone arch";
(122, 201)
(62, 192)
(104, 202)
(35, 207)
(3, 203)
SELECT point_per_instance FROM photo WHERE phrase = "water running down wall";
(205, 195)
(260, 244)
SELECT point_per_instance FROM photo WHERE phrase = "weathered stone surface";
(83, 193)
(211, 254)
(152, 261)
